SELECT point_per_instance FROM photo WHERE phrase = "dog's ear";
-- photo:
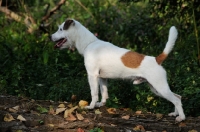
(68, 23)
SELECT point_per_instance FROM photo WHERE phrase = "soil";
(37, 117)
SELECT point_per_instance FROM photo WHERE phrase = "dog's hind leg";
(162, 89)
(93, 82)
(104, 92)
(175, 113)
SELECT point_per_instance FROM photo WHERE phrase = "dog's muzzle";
(60, 42)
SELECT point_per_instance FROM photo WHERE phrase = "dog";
(104, 60)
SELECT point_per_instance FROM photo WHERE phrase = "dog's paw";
(179, 118)
(89, 107)
(173, 114)
(99, 104)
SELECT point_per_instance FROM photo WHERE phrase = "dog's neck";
(85, 39)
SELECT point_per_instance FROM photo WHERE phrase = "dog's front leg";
(93, 81)
(104, 92)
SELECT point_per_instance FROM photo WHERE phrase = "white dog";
(104, 60)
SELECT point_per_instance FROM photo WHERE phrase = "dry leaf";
(83, 113)
(51, 125)
(70, 105)
(66, 114)
(182, 124)
(86, 120)
(70, 117)
(16, 107)
(138, 112)
(21, 118)
(113, 125)
(97, 112)
(79, 116)
(126, 117)
(73, 108)
(111, 110)
(8, 118)
(59, 110)
(61, 106)
(69, 111)
(139, 128)
(12, 110)
(192, 131)
(159, 116)
(83, 103)
(80, 130)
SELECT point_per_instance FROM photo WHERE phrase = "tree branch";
(57, 7)
(27, 20)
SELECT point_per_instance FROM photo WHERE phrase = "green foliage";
(96, 129)
(29, 66)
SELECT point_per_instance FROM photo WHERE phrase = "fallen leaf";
(159, 116)
(70, 105)
(138, 112)
(61, 106)
(12, 110)
(16, 107)
(70, 117)
(83, 112)
(59, 110)
(8, 118)
(113, 125)
(21, 118)
(66, 114)
(51, 125)
(42, 109)
(182, 124)
(111, 110)
(69, 111)
(80, 130)
(139, 128)
(79, 116)
(126, 117)
(192, 131)
(97, 112)
(86, 120)
(83, 103)
(73, 108)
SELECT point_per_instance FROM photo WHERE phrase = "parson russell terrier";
(104, 60)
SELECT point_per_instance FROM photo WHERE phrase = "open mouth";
(60, 42)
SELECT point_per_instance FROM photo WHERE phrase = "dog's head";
(62, 35)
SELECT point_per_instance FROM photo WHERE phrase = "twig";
(85, 8)
(11, 14)
(57, 7)
(31, 26)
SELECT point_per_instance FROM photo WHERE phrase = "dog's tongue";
(60, 43)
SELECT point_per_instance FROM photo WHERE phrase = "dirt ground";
(27, 115)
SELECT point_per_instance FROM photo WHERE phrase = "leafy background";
(30, 67)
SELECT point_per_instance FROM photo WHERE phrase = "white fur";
(103, 60)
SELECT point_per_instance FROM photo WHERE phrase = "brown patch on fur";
(132, 59)
(161, 58)
(67, 24)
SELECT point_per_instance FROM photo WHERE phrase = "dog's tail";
(170, 44)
